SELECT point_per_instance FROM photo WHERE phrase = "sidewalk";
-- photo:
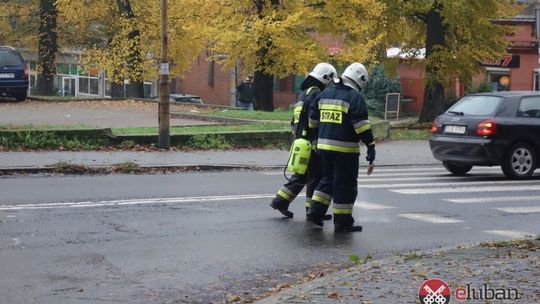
(389, 153)
(481, 270)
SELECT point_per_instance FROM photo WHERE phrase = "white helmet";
(324, 72)
(357, 73)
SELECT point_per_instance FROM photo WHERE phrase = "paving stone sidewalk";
(397, 279)
(415, 152)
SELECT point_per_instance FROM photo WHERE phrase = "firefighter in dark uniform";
(316, 81)
(340, 114)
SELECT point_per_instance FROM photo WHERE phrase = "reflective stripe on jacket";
(340, 113)
(304, 99)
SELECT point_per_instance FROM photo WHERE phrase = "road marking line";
(510, 233)
(375, 179)
(534, 209)
(464, 190)
(448, 184)
(409, 171)
(429, 218)
(171, 200)
(371, 206)
(431, 174)
(474, 200)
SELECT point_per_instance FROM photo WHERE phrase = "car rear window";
(477, 105)
(8, 58)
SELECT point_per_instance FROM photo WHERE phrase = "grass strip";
(204, 129)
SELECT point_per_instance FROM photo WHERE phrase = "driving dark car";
(490, 129)
(13, 74)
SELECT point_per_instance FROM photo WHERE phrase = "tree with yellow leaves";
(276, 38)
(122, 37)
(33, 24)
(457, 36)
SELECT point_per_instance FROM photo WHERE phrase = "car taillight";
(487, 128)
(26, 72)
(435, 126)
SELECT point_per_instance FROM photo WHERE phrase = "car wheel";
(519, 162)
(21, 97)
(457, 168)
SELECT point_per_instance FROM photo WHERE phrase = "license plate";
(454, 129)
(7, 75)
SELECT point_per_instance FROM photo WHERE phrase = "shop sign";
(508, 61)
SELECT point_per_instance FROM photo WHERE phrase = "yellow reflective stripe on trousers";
(321, 200)
(342, 211)
(284, 195)
(338, 148)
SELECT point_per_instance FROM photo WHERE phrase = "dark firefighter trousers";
(339, 182)
(292, 188)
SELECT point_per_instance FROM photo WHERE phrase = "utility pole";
(164, 140)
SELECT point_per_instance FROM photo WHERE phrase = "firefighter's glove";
(370, 154)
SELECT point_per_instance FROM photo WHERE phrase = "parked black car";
(13, 74)
(490, 129)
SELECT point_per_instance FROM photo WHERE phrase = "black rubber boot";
(345, 229)
(285, 212)
(326, 217)
(315, 220)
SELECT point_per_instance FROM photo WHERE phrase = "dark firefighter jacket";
(341, 116)
(299, 122)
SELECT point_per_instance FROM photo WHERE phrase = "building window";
(536, 76)
(83, 85)
(499, 82)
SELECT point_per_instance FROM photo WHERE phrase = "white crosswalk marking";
(452, 184)
(534, 209)
(467, 189)
(371, 206)
(510, 233)
(510, 199)
(429, 218)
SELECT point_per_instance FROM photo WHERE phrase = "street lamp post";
(164, 140)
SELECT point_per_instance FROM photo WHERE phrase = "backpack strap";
(301, 129)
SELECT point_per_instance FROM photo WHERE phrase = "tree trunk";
(48, 47)
(263, 83)
(263, 89)
(434, 88)
(136, 86)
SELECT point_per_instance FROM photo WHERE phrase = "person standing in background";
(244, 93)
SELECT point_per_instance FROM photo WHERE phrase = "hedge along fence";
(93, 138)
(245, 138)
(381, 130)
(43, 139)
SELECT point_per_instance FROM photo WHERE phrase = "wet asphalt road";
(206, 237)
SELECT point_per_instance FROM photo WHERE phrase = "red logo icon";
(434, 291)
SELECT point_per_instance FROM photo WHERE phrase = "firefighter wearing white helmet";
(314, 83)
(341, 116)
(324, 72)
